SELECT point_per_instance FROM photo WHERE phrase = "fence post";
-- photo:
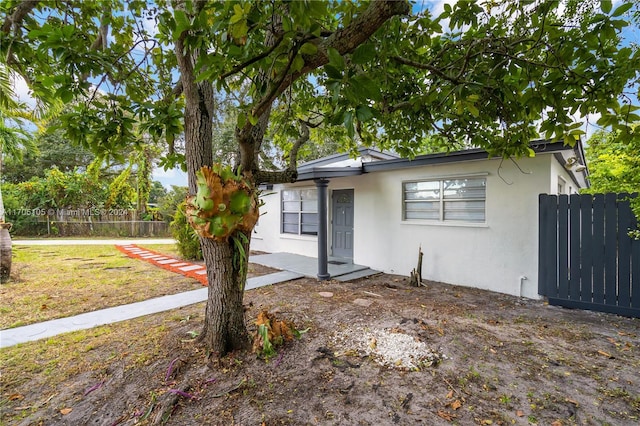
(547, 246)
(610, 250)
(624, 251)
(563, 247)
(598, 248)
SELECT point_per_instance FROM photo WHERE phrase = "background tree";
(156, 192)
(15, 140)
(614, 163)
(495, 76)
(53, 150)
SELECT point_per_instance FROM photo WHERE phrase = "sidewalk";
(14, 336)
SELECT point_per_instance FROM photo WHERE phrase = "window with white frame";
(562, 184)
(300, 211)
(445, 200)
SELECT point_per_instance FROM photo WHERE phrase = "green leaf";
(65, 95)
(297, 63)
(333, 72)
(366, 87)
(605, 6)
(621, 9)
(335, 58)
(240, 202)
(239, 29)
(235, 19)
(242, 120)
(182, 21)
(363, 113)
(364, 53)
(473, 109)
(348, 123)
(308, 49)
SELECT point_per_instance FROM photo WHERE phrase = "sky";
(178, 177)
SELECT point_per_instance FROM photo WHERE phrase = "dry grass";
(44, 365)
(58, 281)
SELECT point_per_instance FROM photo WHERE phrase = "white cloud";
(22, 91)
(170, 177)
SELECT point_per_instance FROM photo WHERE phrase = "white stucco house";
(475, 218)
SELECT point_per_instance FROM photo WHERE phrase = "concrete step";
(357, 274)
(275, 278)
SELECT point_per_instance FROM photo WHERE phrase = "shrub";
(188, 241)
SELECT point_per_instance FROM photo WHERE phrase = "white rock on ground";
(388, 348)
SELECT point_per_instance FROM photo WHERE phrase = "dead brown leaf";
(66, 411)
(456, 404)
(520, 413)
(556, 423)
(605, 354)
(446, 415)
(15, 397)
(450, 394)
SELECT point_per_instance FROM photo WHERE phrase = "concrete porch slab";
(304, 265)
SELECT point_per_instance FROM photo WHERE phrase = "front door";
(342, 224)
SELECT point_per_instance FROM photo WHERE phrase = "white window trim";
(562, 186)
(300, 212)
(441, 221)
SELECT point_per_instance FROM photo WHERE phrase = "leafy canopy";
(614, 161)
(491, 74)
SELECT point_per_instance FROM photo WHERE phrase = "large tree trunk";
(5, 252)
(224, 326)
(224, 329)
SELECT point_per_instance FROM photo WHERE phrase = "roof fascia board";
(452, 157)
(328, 173)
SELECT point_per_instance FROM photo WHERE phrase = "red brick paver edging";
(188, 269)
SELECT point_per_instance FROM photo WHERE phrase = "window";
(445, 200)
(300, 211)
(561, 186)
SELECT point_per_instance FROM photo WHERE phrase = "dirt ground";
(492, 359)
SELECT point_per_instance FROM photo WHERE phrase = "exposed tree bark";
(304, 137)
(285, 176)
(21, 11)
(224, 326)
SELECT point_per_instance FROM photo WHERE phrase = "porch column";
(323, 218)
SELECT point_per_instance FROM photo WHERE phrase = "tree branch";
(428, 67)
(344, 40)
(293, 154)
(253, 60)
(284, 176)
(21, 11)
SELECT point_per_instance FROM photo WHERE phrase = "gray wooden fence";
(587, 259)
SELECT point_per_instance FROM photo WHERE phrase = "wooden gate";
(587, 259)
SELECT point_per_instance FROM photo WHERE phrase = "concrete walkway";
(295, 266)
(13, 336)
(43, 330)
